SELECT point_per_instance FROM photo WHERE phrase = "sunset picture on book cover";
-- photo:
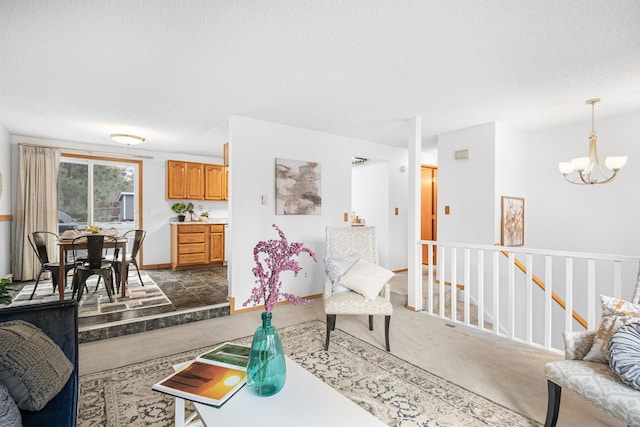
(206, 380)
(212, 378)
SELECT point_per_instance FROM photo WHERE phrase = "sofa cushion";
(9, 412)
(336, 268)
(615, 313)
(624, 354)
(33, 367)
(366, 278)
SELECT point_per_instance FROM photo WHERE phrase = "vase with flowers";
(266, 372)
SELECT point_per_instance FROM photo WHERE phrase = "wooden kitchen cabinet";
(215, 182)
(216, 243)
(196, 181)
(185, 180)
(196, 245)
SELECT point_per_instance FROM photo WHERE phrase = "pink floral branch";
(272, 258)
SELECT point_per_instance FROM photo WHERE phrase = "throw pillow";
(624, 354)
(33, 367)
(366, 278)
(9, 412)
(336, 268)
(615, 313)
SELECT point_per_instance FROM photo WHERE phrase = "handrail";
(542, 286)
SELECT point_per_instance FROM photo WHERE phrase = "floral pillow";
(366, 278)
(336, 268)
(615, 313)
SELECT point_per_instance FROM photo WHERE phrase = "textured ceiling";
(174, 71)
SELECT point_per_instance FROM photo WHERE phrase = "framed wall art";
(512, 222)
(298, 187)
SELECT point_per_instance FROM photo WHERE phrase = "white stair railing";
(527, 295)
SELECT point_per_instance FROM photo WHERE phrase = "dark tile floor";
(187, 290)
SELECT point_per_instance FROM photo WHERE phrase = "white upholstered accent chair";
(344, 242)
(595, 382)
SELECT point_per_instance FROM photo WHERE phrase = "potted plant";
(5, 296)
(179, 208)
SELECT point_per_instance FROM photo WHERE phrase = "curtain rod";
(110, 153)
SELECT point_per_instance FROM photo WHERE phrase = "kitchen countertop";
(209, 221)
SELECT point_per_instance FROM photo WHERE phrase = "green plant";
(179, 208)
(5, 297)
(189, 208)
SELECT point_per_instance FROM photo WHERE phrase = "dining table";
(67, 245)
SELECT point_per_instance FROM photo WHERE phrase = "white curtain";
(37, 206)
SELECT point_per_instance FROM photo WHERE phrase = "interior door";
(428, 208)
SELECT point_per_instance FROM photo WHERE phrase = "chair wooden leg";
(387, 320)
(331, 324)
(370, 322)
(553, 403)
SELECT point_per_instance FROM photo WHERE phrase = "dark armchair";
(59, 320)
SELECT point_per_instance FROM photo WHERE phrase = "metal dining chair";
(92, 263)
(41, 241)
(138, 238)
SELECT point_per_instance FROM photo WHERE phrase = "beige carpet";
(398, 393)
(509, 374)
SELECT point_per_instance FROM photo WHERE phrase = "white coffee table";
(305, 401)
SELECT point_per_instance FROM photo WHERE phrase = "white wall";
(157, 211)
(467, 185)
(597, 218)
(372, 178)
(5, 202)
(254, 146)
(510, 172)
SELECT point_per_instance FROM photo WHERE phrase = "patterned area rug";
(96, 302)
(397, 392)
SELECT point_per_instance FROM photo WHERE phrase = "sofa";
(603, 366)
(59, 322)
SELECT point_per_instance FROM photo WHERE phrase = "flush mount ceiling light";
(126, 139)
(589, 171)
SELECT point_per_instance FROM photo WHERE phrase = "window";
(98, 191)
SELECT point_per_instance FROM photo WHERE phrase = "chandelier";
(588, 169)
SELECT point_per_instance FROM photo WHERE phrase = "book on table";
(212, 378)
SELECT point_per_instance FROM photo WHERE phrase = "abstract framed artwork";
(512, 221)
(298, 187)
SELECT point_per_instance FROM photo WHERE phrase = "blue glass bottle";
(266, 372)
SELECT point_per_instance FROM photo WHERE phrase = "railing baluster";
(529, 299)
(454, 284)
(481, 289)
(441, 276)
(568, 295)
(511, 297)
(617, 279)
(430, 279)
(496, 293)
(591, 292)
(548, 280)
(467, 286)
